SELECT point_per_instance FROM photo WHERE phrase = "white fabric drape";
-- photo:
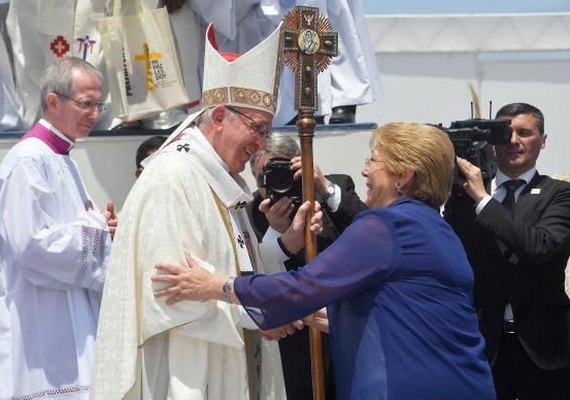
(51, 275)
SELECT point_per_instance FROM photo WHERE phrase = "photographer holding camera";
(517, 240)
(277, 171)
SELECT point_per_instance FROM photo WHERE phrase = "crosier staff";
(309, 43)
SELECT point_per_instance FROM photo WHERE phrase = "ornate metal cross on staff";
(309, 43)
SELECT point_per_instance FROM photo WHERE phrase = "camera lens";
(278, 179)
(281, 180)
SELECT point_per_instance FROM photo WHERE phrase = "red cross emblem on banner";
(59, 46)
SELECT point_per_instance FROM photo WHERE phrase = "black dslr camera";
(473, 140)
(277, 179)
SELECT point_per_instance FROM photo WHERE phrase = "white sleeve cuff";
(333, 202)
(482, 204)
(270, 239)
(245, 320)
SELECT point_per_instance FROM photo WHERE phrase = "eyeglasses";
(86, 105)
(369, 160)
(260, 128)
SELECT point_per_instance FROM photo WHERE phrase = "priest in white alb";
(54, 246)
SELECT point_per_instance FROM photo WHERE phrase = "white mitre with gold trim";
(250, 80)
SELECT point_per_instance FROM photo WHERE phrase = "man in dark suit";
(340, 204)
(518, 241)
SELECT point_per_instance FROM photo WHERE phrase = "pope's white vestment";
(52, 268)
(192, 349)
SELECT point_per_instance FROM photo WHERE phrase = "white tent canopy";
(427, 63)
(470, 32)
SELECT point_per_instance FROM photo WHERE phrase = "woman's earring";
(398, 189)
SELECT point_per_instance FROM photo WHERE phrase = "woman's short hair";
(423, 149)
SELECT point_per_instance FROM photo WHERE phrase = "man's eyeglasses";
(86, 105)
(260, 128)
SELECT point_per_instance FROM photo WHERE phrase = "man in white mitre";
(190, 200)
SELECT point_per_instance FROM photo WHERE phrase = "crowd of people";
(200, 290)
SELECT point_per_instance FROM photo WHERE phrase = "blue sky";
(463, 6)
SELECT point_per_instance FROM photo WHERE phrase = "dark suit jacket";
(519, 256)
(294, 349)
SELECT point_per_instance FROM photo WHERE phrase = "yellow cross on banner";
(147, 57)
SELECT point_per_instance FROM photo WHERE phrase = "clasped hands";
(110, 216)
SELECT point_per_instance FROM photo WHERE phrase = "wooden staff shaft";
(306, 124)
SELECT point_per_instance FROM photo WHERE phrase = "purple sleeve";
(361, 257)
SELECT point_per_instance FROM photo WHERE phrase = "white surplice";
(52, 267)
(193, 349)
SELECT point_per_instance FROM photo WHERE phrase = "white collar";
(230, 188)
(501, 178)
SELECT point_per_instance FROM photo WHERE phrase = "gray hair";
(279, 145)
(206, 116)
(58, 77)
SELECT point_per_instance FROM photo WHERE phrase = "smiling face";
(380, 182)
(66, 115)
(234, 137)
(521, 153)
(408, 159)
